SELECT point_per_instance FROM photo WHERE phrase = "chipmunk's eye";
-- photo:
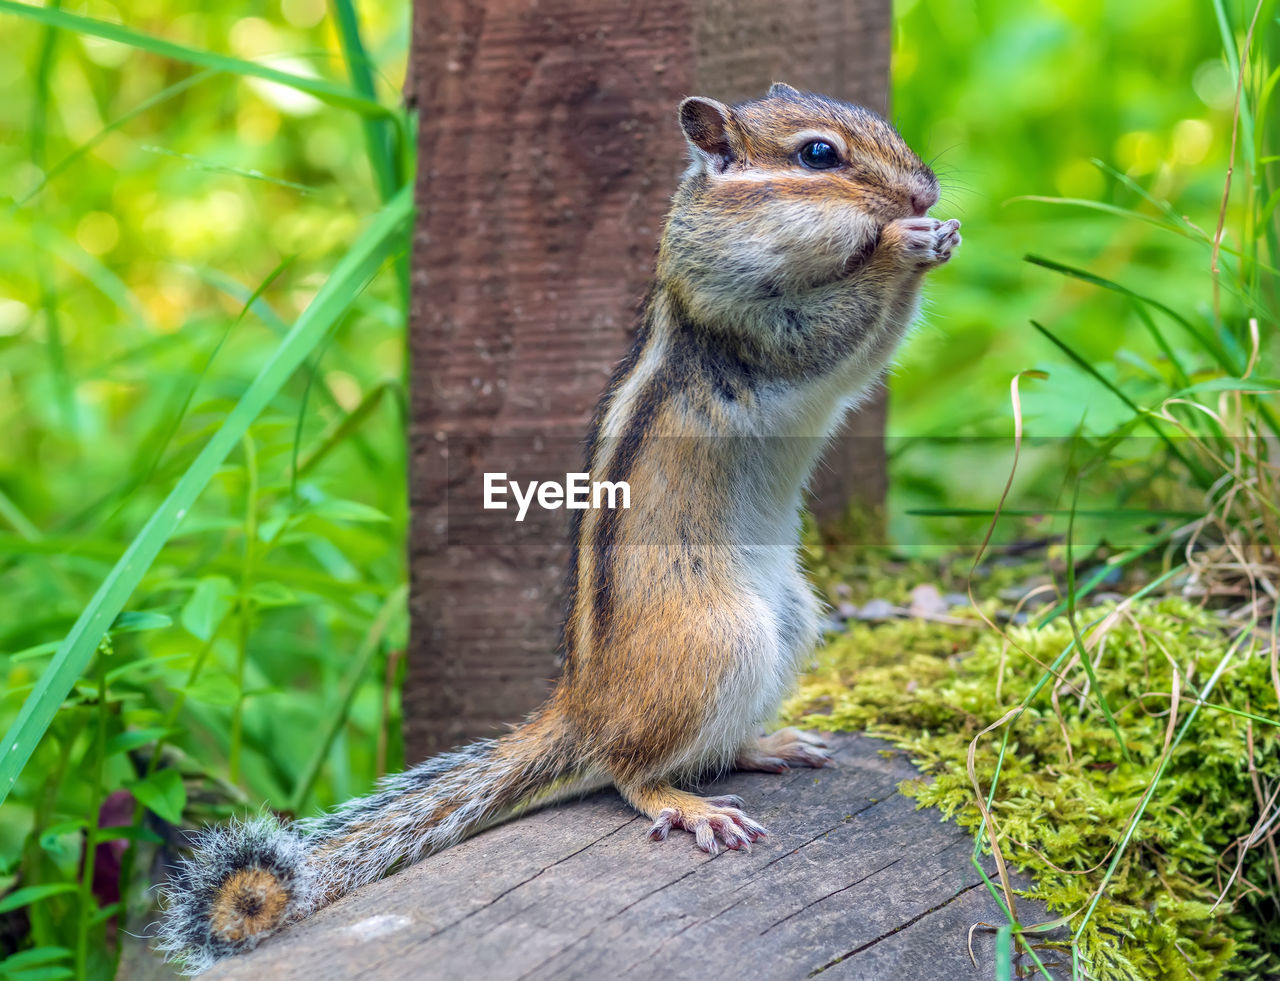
(819, 155)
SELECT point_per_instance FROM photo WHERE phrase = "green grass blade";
(1161, 205)
(1004, 958)
(1251, 386)
(217, 168)
(345, 428)
(1085, 660)
(158, 445)
(1195, 469)
(1181, 227)
(1233, 64)
(12, 514)
(330, 588)
(377, 132)
(1264, 215)
(1107, 209)
(242, 294)
(160, 97)
(64, 387)
(395, 603)
(1100, 574)
(313, 369)
(329, 304)
(1184, 379)
(273, 320)
(322, 89)
(1040, 512)
(1225, 360)
(40, 104)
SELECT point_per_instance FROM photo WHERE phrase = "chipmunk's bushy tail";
(247, 879)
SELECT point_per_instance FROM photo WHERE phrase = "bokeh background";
(1016, 100)
(163, 225)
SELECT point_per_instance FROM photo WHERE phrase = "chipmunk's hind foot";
(713, 821)
(778, 752)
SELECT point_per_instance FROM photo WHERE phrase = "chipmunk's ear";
(781, 90)
(706, 126)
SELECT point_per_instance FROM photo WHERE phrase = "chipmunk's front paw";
(712, 821)
(780, 751)
(923, 243)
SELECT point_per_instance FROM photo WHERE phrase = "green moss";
(931, 688)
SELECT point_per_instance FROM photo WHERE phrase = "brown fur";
(249, 902)
(658, 616)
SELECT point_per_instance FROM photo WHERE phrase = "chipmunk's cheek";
(860, 256)
(863, 238)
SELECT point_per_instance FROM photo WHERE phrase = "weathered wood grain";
(853, 882)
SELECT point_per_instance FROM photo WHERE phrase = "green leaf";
(209, 603)
(1251, 385)
(143, 666)
(212, 689)
(124, 741)
(36, 964)
(33, 894)
(31, 653)
(50, 973)
(269, 592)
(163, 793)
(138, 620)
(332, 300)
(36, 955)
(51, 837)
(336, 510)
(325, 91)
(104, 914)
(129, 833)
(270, 528)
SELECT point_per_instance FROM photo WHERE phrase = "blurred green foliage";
(166, 225)
(1014, 99)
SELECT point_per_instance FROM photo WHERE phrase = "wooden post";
(548, 151)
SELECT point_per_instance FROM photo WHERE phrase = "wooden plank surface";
(853, 883)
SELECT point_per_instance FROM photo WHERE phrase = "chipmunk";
(788, 272)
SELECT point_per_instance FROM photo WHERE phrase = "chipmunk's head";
(786, 194)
